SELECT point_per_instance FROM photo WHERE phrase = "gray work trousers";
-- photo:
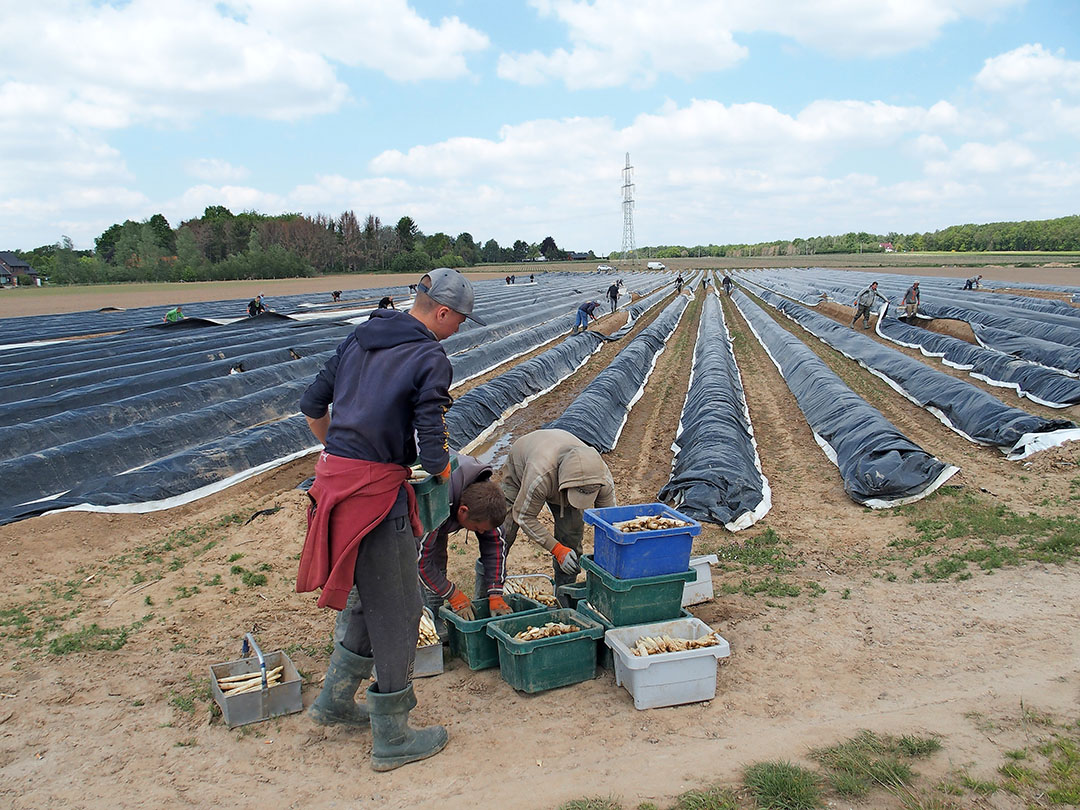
(384, 624)
(569, 530)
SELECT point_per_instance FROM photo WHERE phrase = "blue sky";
(745, 121)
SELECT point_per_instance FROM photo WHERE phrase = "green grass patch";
(711, 798)
(771, 586)
(95, 637)
(596, 803)
(783, 786)
(766, 551)
(870, 761)
(967, 533)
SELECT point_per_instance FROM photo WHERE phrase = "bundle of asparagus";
(654, 645)
(649, 523)
(251, 682)
(547, 631)
(428, 635)
(537, 589)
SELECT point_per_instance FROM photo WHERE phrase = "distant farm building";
(11, 267)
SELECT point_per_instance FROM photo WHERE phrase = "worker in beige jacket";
(555, 468)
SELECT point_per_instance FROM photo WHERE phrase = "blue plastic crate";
(630, 555)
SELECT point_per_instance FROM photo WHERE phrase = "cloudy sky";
(745, 120)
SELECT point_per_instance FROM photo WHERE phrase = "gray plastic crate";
(701, 589)
(666, 679)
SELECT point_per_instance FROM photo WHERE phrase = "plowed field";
(839, 619)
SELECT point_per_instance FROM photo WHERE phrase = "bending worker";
(389, 384)
(864, 301)
(476, 505)
(613, 296)
(911, 300)
(584, 312)
(554, 468)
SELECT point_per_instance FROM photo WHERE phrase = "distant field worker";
(679, 281)
(389, 384)
(973, 283)
(584, 312)
(613, 296)
(173, 315)
(727, 282)
(256, 306)
(864, 302)
(554, 468)
(911, 300)
(476, 505)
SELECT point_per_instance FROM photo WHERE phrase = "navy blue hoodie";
(387, 379)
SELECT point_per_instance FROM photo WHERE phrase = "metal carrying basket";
(269, 700)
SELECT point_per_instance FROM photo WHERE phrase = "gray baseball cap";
(451, 289)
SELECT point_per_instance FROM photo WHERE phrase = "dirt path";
(855, 639)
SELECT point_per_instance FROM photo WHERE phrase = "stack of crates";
(636, 577)
(635, 587)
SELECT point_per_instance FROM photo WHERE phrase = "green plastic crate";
(604, 657)
(433, 500)
(573, 593)
(634, 601)
(535, 666)
(469, 642)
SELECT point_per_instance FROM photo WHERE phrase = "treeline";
(221, 245)
(1044, 235)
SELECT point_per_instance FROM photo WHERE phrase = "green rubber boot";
(393, 743)
(336, 702)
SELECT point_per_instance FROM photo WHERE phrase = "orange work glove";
(567, 559)
(497, 605)
(460, 604)
(444, 476)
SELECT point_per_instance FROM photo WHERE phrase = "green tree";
(550, 250)
(105, 245)
(407, 233)
(163, 234)
(465, 247)
(520, 251)
(490, 252)
(415, 261)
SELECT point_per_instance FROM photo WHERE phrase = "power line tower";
(629, 248)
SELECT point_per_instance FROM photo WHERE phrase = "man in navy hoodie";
(389, 384)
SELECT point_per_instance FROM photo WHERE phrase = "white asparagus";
(255, 687)
(229, 687)
(249, 675)
(535, 589)
(657, 645)
(547, 631)
(649, 523)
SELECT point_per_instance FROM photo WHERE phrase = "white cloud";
(612, 44)
(981, 158)
(383, 35)
(1030, 69)
(215, 170)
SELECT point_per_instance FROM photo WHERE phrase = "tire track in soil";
(641, 462)
(803, 480)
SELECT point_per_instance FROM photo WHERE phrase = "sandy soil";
(865, 646)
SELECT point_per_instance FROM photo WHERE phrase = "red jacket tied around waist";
(349, 498)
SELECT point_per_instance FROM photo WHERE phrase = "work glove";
(460, 604)
(567, 559)
(498, 606)
(444, 476)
